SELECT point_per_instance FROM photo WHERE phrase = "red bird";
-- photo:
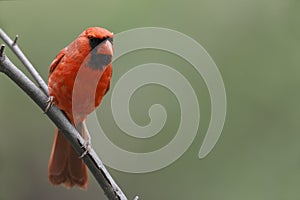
(79, 77)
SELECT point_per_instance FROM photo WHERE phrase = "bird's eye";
(95, 41)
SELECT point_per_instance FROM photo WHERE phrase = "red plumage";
(79, 77)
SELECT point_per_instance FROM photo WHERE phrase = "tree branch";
(40, 97)
(17, 51)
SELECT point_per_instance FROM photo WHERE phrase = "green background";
(255, 45)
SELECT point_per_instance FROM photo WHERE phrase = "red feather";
(79, 77)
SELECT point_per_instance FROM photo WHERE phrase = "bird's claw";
(50, 102)
(87, 146)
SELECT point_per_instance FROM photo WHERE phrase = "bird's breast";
(78, 88)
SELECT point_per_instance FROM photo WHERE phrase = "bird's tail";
(65, 166)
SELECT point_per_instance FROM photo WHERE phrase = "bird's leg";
(87, 139)
(50, 102)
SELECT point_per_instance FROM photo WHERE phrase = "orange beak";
(105, 48)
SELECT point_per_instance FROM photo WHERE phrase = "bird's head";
(100, 44)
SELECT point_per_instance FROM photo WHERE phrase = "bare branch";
(15, 48)
(111, 189)
(93, 162)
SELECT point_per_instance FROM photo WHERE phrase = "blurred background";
(255, 45)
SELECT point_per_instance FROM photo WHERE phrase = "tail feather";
(65, 166)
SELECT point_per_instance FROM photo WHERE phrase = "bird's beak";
(105, 48)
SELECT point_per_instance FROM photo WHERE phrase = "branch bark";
(40, 96)
(17, 51)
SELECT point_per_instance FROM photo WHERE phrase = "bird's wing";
(57, 60)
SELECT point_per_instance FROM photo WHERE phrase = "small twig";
(2, 50)
(15, 48)
(15, 40)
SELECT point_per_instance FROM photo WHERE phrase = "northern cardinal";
(79, 77)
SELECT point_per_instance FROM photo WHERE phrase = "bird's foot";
(87, 145)
(50, 102)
